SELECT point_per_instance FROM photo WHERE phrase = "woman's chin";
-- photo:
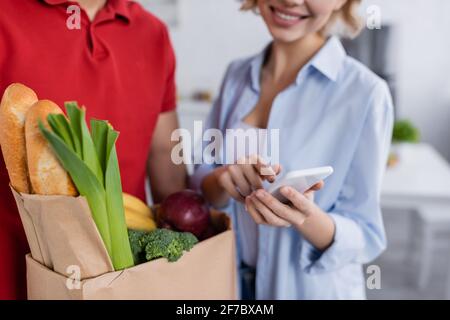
(286, 36)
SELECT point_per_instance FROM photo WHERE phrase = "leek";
(75, 125)
(114, 203)
(85, 181)
(91, 161)
(59, 124)
(77, 120)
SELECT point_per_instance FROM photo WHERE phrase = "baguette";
(17, 100)
(47, 176)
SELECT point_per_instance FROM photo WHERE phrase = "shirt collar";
(120, 7)
(255, 68)
(328, 61)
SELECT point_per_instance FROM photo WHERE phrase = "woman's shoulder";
(370, 92)
(237, 74)
(239, 68)
(360, 78)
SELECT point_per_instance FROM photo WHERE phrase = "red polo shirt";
(120, 66)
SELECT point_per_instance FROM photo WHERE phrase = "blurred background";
(411, 52)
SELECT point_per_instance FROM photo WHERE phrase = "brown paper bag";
(61, 233)
(69, 260)
(207, 271)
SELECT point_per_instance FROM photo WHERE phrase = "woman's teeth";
(286, 16)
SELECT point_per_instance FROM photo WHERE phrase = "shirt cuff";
(347, 245)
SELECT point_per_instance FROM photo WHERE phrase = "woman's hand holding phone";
(266, 209)
(243, 181)
(309, 219)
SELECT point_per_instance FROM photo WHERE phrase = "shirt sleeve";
(169, 101)
(359, 233)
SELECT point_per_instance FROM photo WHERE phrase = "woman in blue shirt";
(330, 110)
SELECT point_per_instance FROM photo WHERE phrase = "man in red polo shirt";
(119, 63)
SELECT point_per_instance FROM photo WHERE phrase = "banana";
(132, 203)
(136, 221)
(138, 215)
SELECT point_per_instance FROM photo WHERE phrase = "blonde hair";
(346, 15)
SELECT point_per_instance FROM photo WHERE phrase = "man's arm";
(165, 176)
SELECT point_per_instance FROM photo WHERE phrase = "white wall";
(213, 32)
(422, 43)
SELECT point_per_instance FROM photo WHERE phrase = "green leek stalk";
(91, 161)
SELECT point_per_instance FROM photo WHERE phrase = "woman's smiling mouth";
(286, 18)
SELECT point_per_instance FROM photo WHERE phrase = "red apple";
(186, 211)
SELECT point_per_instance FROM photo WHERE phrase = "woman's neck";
(92, 7)
(287, 59)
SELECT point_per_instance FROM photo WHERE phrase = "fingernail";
(260, 194)
(267, 171)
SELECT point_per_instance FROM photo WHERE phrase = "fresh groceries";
(91, 160)
(133, 203)
(186, 211)
(179, 222)
(65, 178)
(160, 243)
(17, 100)
(31, 164)
(138, 215)
(47, 153)
(47, 176)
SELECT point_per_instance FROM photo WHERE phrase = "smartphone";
(300, 180)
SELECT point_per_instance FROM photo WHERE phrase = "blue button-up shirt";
(337, 113)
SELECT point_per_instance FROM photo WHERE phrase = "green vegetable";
(86, 183)
(92, 163)
(60, 126)
(77, 120)
(405, 131)
(168, 244)
(160, 243)
(100, 137)
(137, 245)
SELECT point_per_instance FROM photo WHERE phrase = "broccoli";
(168, 244)
(188, 240)
(137, 245)
(160, 243)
